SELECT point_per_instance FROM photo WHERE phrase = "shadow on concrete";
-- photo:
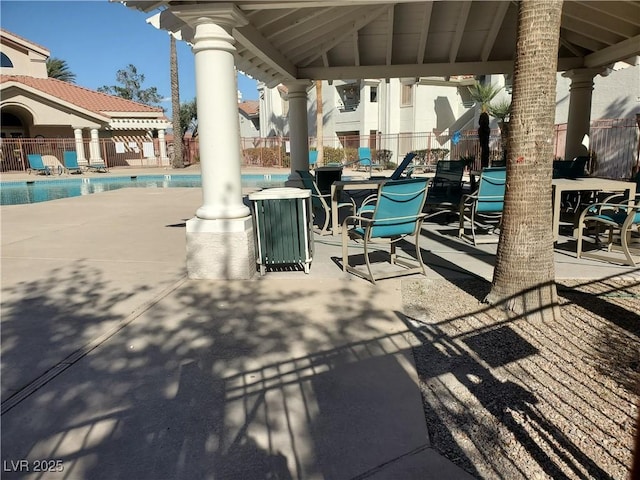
(213, 379)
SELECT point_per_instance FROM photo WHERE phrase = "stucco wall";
(43, 113)
(24, 62)
(615, 96)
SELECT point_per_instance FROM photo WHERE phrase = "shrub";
(383, 156)
(332, 155)
(430, 156)
(264, 156)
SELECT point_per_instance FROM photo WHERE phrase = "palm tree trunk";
(524, 274)
(175, 105)
(319, 123)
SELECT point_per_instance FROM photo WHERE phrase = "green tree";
(58, 68)
(189, 118)
(501, 110)
(524, 273)
(483, 94)
(131, 87)
(175, 105)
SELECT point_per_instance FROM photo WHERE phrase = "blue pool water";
(15, 193)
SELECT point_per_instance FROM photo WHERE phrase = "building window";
(5, 61)
(373, 94)
(406, 98)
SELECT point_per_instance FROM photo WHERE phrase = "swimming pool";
(16, 193)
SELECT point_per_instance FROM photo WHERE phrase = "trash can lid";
(280, 193)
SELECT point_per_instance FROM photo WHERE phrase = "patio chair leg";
(392, 252)
(325, 227)
(345, 249)
(461, 221)
(473, 224)
(579, 240)
(624, 241)
(419, 252)
(366, 259)
(610, 239)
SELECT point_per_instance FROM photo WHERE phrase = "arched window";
(5, 61)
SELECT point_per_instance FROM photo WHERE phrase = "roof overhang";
(280, 41)
(138, 124)
(24, 43)
(7, 87)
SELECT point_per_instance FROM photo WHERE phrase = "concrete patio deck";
(117, 366)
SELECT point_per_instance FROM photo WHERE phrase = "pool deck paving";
(116, 365)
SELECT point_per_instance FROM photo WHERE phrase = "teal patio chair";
(368, 205)
(365, 162)
(576, 168)
(484, 207)
(37, 165)
(70, 160)
(320, 202)
(97, 167)
(619, 218)
(313, 158)
(364, 159)
(404, 167)
(445, 189)
(397, 215)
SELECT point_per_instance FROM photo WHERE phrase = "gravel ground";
(507, 398)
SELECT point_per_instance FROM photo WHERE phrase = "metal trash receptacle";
(282, 222)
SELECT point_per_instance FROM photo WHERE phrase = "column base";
(221, 249)
(294, 181)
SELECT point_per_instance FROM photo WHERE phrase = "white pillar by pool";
(220, 242)
(298, 130)
(77, 133)
(162, 145)
(94, 147)
(578, 122)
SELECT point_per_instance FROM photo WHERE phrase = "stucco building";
(95, 124)
(371, 112)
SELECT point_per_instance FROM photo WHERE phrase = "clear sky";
(98, 38)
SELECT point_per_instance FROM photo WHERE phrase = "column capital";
(226, 15)
(583, 74)
(297, 87)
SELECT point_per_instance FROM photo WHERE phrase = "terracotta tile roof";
(250, 107)
(80, 96)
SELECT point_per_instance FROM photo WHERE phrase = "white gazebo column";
(77, 133)
(298, 130)
(162, 145)
(94, 147)
(578, 122)
(220, 242)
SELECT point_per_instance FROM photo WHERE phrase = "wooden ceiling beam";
(494, 29)
(460, 29)
(424, 32)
